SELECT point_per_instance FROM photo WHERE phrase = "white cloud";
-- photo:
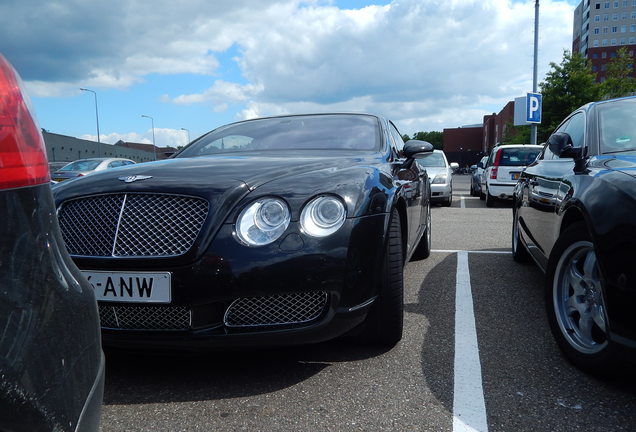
(426, 64)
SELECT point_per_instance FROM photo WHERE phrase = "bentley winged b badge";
(130, 179)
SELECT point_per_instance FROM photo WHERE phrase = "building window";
(623, 29)
(606, 17)
(615, 4)
(595, 43)
(632, 41)
(624, 16)
(603, 54)
(597, 18)
(598, 5)
(614, 17)
(613, 42)
(632, 28)
(624, 3)
(606, 5)
(614, 29)
(604, 43)
(605, 30)
(622, 41)
(596, 31)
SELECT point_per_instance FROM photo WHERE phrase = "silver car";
(84, 167)
(440, 174)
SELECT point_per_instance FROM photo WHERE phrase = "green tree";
(516, 134)
(405, 137)
(618, 80)
(434, 137)
(567, 86)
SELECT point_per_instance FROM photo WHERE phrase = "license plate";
(514, 176)
(131, 287)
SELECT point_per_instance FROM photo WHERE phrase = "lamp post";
(187, 132)
(97, 119)
(154, 147)
(533, 127)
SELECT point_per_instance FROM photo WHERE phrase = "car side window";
(397, 139)
(114, 164)
(576, 129)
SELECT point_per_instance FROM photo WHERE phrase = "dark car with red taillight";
(51, 361)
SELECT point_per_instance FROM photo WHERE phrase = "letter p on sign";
(533, 108)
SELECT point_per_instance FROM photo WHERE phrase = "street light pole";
(533, 127)
(97, 119)
(152, 121)
(187, 132)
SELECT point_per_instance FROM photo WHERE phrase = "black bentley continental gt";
(283, 230)
(575, 214)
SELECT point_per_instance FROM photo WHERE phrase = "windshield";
(433, 160)
(518, 156)
(82, 165)
(317, 132)
(617, 126)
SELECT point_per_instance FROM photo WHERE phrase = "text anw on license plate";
(132, 287)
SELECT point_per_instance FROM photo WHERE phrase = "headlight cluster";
(266, 219)
(440, 179)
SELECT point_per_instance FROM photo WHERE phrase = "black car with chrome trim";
(281, 230)
(573, 214)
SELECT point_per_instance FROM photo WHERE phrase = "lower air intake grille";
(145, 317)
(283, 309)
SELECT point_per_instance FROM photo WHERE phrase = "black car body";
(51, 361)
(574, 213)
(265, 232)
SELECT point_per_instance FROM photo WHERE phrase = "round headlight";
(263, 221)
(323, 216)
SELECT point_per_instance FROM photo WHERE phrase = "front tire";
(423, 249)
(449, 201)
(384, 324)
(575, 303)
(519, 251)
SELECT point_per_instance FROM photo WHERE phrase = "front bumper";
(345, 266)
(441, 191)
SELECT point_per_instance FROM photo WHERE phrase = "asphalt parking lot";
(503, 372)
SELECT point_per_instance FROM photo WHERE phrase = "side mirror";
(480, 165)
(454, 165)
(560, 143)
(414, 148)
(473, 167)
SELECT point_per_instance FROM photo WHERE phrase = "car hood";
(434, 171)
(222, 180)
(623, 163)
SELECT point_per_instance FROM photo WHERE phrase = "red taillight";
(22, 153)
(495, 165)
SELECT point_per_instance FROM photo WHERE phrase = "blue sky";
(198, 64)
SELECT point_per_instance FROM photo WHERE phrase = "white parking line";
(469, 408)
(472, 251)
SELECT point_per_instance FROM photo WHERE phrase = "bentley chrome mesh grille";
(131, 225)
(291, 308)
(145, 317)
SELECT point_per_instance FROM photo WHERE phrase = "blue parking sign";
(533, 108)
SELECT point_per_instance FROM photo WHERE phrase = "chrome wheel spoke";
(598, 316)
(589, 265)
(586, 324)
(574, 279)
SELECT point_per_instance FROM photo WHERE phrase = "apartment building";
(601, 28)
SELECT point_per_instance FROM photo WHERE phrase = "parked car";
(283, 230)
(502, 170)
(54, 166)
(477, 172)
(574, 213)
(82, 167)
(51, 361)
(440, 173)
